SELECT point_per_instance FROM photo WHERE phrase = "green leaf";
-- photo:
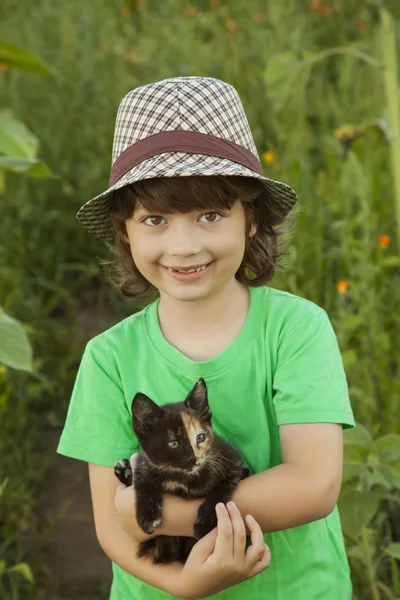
(41, 170)
(384, 476)
(352, 471)
(15, 137)
(281, 67)
(355, 454)
(2, 568)
(387, 447)
(33, 167)
(15, 56)
(357, 509)
(15, 164)
(358, 435)
(15, 349)
(356, 552)
(390, 261)
(393, 550)
(24, 570)
(349, 357)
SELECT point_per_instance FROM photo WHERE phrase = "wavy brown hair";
(197, 192)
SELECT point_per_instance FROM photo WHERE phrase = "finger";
(261, 564)
(224, 542)
(239, 533)
(133, 460)
(256, 550)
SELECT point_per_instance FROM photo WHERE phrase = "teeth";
(189, 271)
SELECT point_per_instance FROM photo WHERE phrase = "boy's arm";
(304, 488)
(116, 542)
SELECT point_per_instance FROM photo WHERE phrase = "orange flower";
(231, 25)
(342, 287)
(3, 67)
(258, 17)
(268, 157)
(384, 241)
(320, 7)
(361, 25)
(126, 11)
(190, 11)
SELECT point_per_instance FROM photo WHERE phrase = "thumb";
(205, 546)
(133, 460)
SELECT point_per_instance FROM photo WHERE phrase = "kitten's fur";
(207, 468)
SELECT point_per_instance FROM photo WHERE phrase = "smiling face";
(166, 246)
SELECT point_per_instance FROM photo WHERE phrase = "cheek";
(144, 252)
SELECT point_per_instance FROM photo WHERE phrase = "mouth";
(192, 273)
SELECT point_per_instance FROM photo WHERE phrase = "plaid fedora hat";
(179, 127)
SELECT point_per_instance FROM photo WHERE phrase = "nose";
(192, 460)
(183, 241)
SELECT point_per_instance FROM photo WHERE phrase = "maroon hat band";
(179, 140)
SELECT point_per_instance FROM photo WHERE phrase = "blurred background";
(319, 81)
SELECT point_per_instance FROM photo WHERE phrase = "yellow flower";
(342, 287)
(3, 370)
(269, 157)
(384, 241)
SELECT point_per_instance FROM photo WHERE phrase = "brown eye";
(154, 220)
(173, 444)
(212, 217)
(200, 438)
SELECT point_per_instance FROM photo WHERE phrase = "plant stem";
(393, 103)
(369, 564)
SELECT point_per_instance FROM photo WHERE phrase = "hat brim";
(93, 215)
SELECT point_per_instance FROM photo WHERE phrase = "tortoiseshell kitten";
(180, 455)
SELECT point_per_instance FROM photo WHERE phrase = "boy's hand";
(220, 559)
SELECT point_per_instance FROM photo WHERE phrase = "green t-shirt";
(283, 367)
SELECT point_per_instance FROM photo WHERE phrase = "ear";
(253, 230)
(145, 412)
(197, 400)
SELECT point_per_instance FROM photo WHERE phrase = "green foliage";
(312, 80)
(15, 350)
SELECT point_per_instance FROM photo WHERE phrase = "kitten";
(180, 455)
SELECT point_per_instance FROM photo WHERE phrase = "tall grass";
(297, 108)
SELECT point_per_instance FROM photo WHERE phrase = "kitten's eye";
(200, 438)
(173, 444)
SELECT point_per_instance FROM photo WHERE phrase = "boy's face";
(160, 242)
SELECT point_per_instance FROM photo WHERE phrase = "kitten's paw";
(148, 515)
(123, 471)
(203, 525)
(149, 526)
(245, 473)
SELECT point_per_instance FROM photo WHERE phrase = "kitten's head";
(177, 435)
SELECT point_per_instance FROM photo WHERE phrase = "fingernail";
(250, 518)
(231, 504)
(221, 506)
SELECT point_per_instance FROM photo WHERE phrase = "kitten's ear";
(197, 400)
(145, 412)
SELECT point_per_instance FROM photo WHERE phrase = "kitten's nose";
(192, 460)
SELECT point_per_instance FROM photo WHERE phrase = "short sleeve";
(98, 426)
(309, 385)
